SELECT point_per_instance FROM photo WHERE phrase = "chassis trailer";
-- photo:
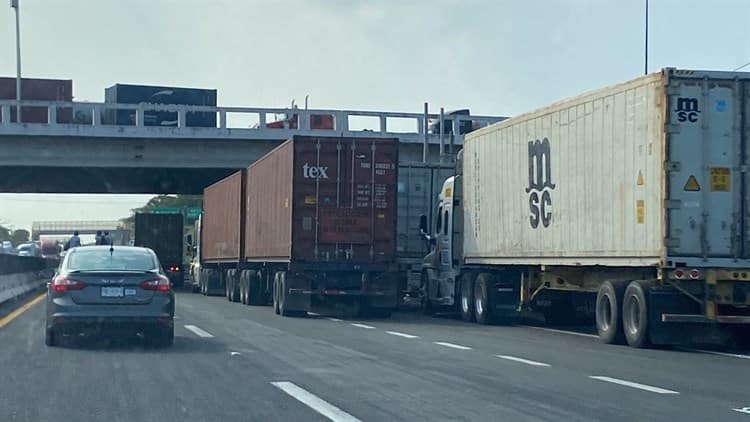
(627, 204)
(313, 222)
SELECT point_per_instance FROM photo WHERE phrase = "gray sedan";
(103, 289)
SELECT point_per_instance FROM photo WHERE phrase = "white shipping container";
(649, 172)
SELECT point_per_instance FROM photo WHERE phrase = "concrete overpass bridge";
(93, 156)
(64, 229)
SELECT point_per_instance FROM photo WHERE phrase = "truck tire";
(204, 277)
(212, 279)
(608, 310)
(283, 295)
(466, 297)
(243, 286)
(276, 294)
(635, 315)
(232, 286)
(254, 289)
(483, 298)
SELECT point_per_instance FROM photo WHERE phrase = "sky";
(496, 57)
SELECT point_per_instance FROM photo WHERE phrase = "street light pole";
(645, 49)
(14, 5)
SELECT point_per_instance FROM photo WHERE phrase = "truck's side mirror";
(423, 225)
(190, 240)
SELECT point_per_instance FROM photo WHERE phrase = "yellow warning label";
(639, 181)
(448, 191)
(310, 200)
(639, 211)
(692, 184)
(720, 179)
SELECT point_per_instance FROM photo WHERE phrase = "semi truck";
(627, 204)
(312, 223)
(163, 233)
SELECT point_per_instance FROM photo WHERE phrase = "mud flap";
(298, 293)
(674, 333)
(384, 292)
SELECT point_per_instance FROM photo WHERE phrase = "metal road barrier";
(20, 275)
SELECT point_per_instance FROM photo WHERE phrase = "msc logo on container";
(687, 109)
(314, 172)
(540, 183)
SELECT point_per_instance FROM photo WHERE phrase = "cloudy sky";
(497, 57)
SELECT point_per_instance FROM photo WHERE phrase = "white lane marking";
(572, 333)
(199, 332)
(313, 313)
(521, 360)
(334, 319)
(451, 345)
(314, 402)
(634, 385)
(234, 353)
(743, 410)
(730, 355)
(369, 327)
(404, 335)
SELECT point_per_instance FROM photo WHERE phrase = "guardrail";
(100, 119)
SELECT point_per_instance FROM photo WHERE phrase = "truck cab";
(441, 266)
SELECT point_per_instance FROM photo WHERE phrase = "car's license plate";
(112, 292)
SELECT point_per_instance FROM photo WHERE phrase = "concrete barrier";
(20, 275)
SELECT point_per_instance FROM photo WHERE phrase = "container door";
(705, 182)
(745, 128)
(413, 201)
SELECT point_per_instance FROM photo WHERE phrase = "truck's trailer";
(627, 204)
(329, 200)
(136, 94)
(311, 222)
(39, 89)
(163, 233)
(645, 173)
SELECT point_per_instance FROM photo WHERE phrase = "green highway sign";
(193, 212)
(166, 211)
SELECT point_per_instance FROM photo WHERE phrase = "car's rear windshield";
(119, 259)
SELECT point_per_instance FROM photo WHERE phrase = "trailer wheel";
(276, 294)
(202, 282)
(254, 291)
(608, 306)
(243, 287)
(283, 296)
(482, 298)
(635, 315)
(466, 297)
(232, 286)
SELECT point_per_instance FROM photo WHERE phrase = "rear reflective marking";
(199, 332)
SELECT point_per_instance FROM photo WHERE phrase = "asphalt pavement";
(235, 362)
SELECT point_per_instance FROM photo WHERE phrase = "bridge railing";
(102, 119)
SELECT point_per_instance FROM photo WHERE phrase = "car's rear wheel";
(50, 337)
(160, 337)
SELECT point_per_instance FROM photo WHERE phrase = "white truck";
(628, 204)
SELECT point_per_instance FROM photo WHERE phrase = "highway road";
(234, 362)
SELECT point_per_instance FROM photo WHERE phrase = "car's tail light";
(64, 284)
(174, 268)
(679, 274)
(160, 284)
(694, 274)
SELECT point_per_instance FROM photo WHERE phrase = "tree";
(20, 236)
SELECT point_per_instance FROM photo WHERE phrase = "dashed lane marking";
(452, 346)
(314, 402)
(334, 319)
(404, 335)
(632, 384)
(572, 333)
(199, 331)
(521, 360)
(369, 327)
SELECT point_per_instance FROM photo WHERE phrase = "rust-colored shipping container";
(323, 199)
(39, 89)
(221, 221)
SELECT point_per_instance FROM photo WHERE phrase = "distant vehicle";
(464, 126)
(7, 248)
(164, 234)
(118, 290)
(50, 249)
(27, 249)
(136, 94)
(317, 121)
